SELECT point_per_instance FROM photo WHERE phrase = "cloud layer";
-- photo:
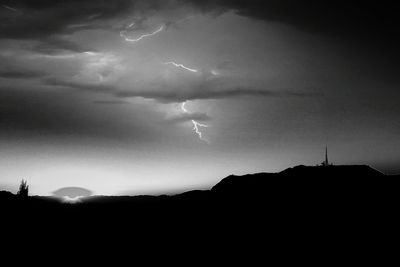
(368, 19)
(50, 23)
(198, 88)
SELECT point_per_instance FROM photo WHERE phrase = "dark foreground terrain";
(356, 206)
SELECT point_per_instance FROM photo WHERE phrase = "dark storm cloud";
(206, 90)
(53, 45)
(29, 114)
(80, 86)
(44, 18)
(110, 102)
(29, 111)
(45, 114)
(175, 96)
(351, 18)
(21, 74)
(185, 117)
(49, 21)
(234, 92)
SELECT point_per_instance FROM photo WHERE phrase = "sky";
(163, 96)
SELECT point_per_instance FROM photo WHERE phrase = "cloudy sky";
(161, 96)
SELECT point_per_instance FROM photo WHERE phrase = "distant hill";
(301, 180)
(301, 204)
(314, 187)
(295, 181)
(333, 171)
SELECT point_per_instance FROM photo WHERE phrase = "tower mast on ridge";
(326, 156)
(326, 161)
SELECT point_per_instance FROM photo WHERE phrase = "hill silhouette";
(301, 203)
(300, 183)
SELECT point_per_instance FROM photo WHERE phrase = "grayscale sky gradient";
(105, 95)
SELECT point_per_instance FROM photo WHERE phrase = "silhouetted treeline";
(23, 189)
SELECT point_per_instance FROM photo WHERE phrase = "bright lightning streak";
(214, 72)
(196, 124)
(10, 8)
(90, 53)
(184, 108)
(180, 66)
(122, 34)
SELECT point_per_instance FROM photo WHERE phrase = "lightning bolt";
(123, 34)
(10, 8)
(180, 66)
(198, 132)
(196, 124)
(214, 72)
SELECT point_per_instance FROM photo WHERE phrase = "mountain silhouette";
(297, 182)
(299, 203)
